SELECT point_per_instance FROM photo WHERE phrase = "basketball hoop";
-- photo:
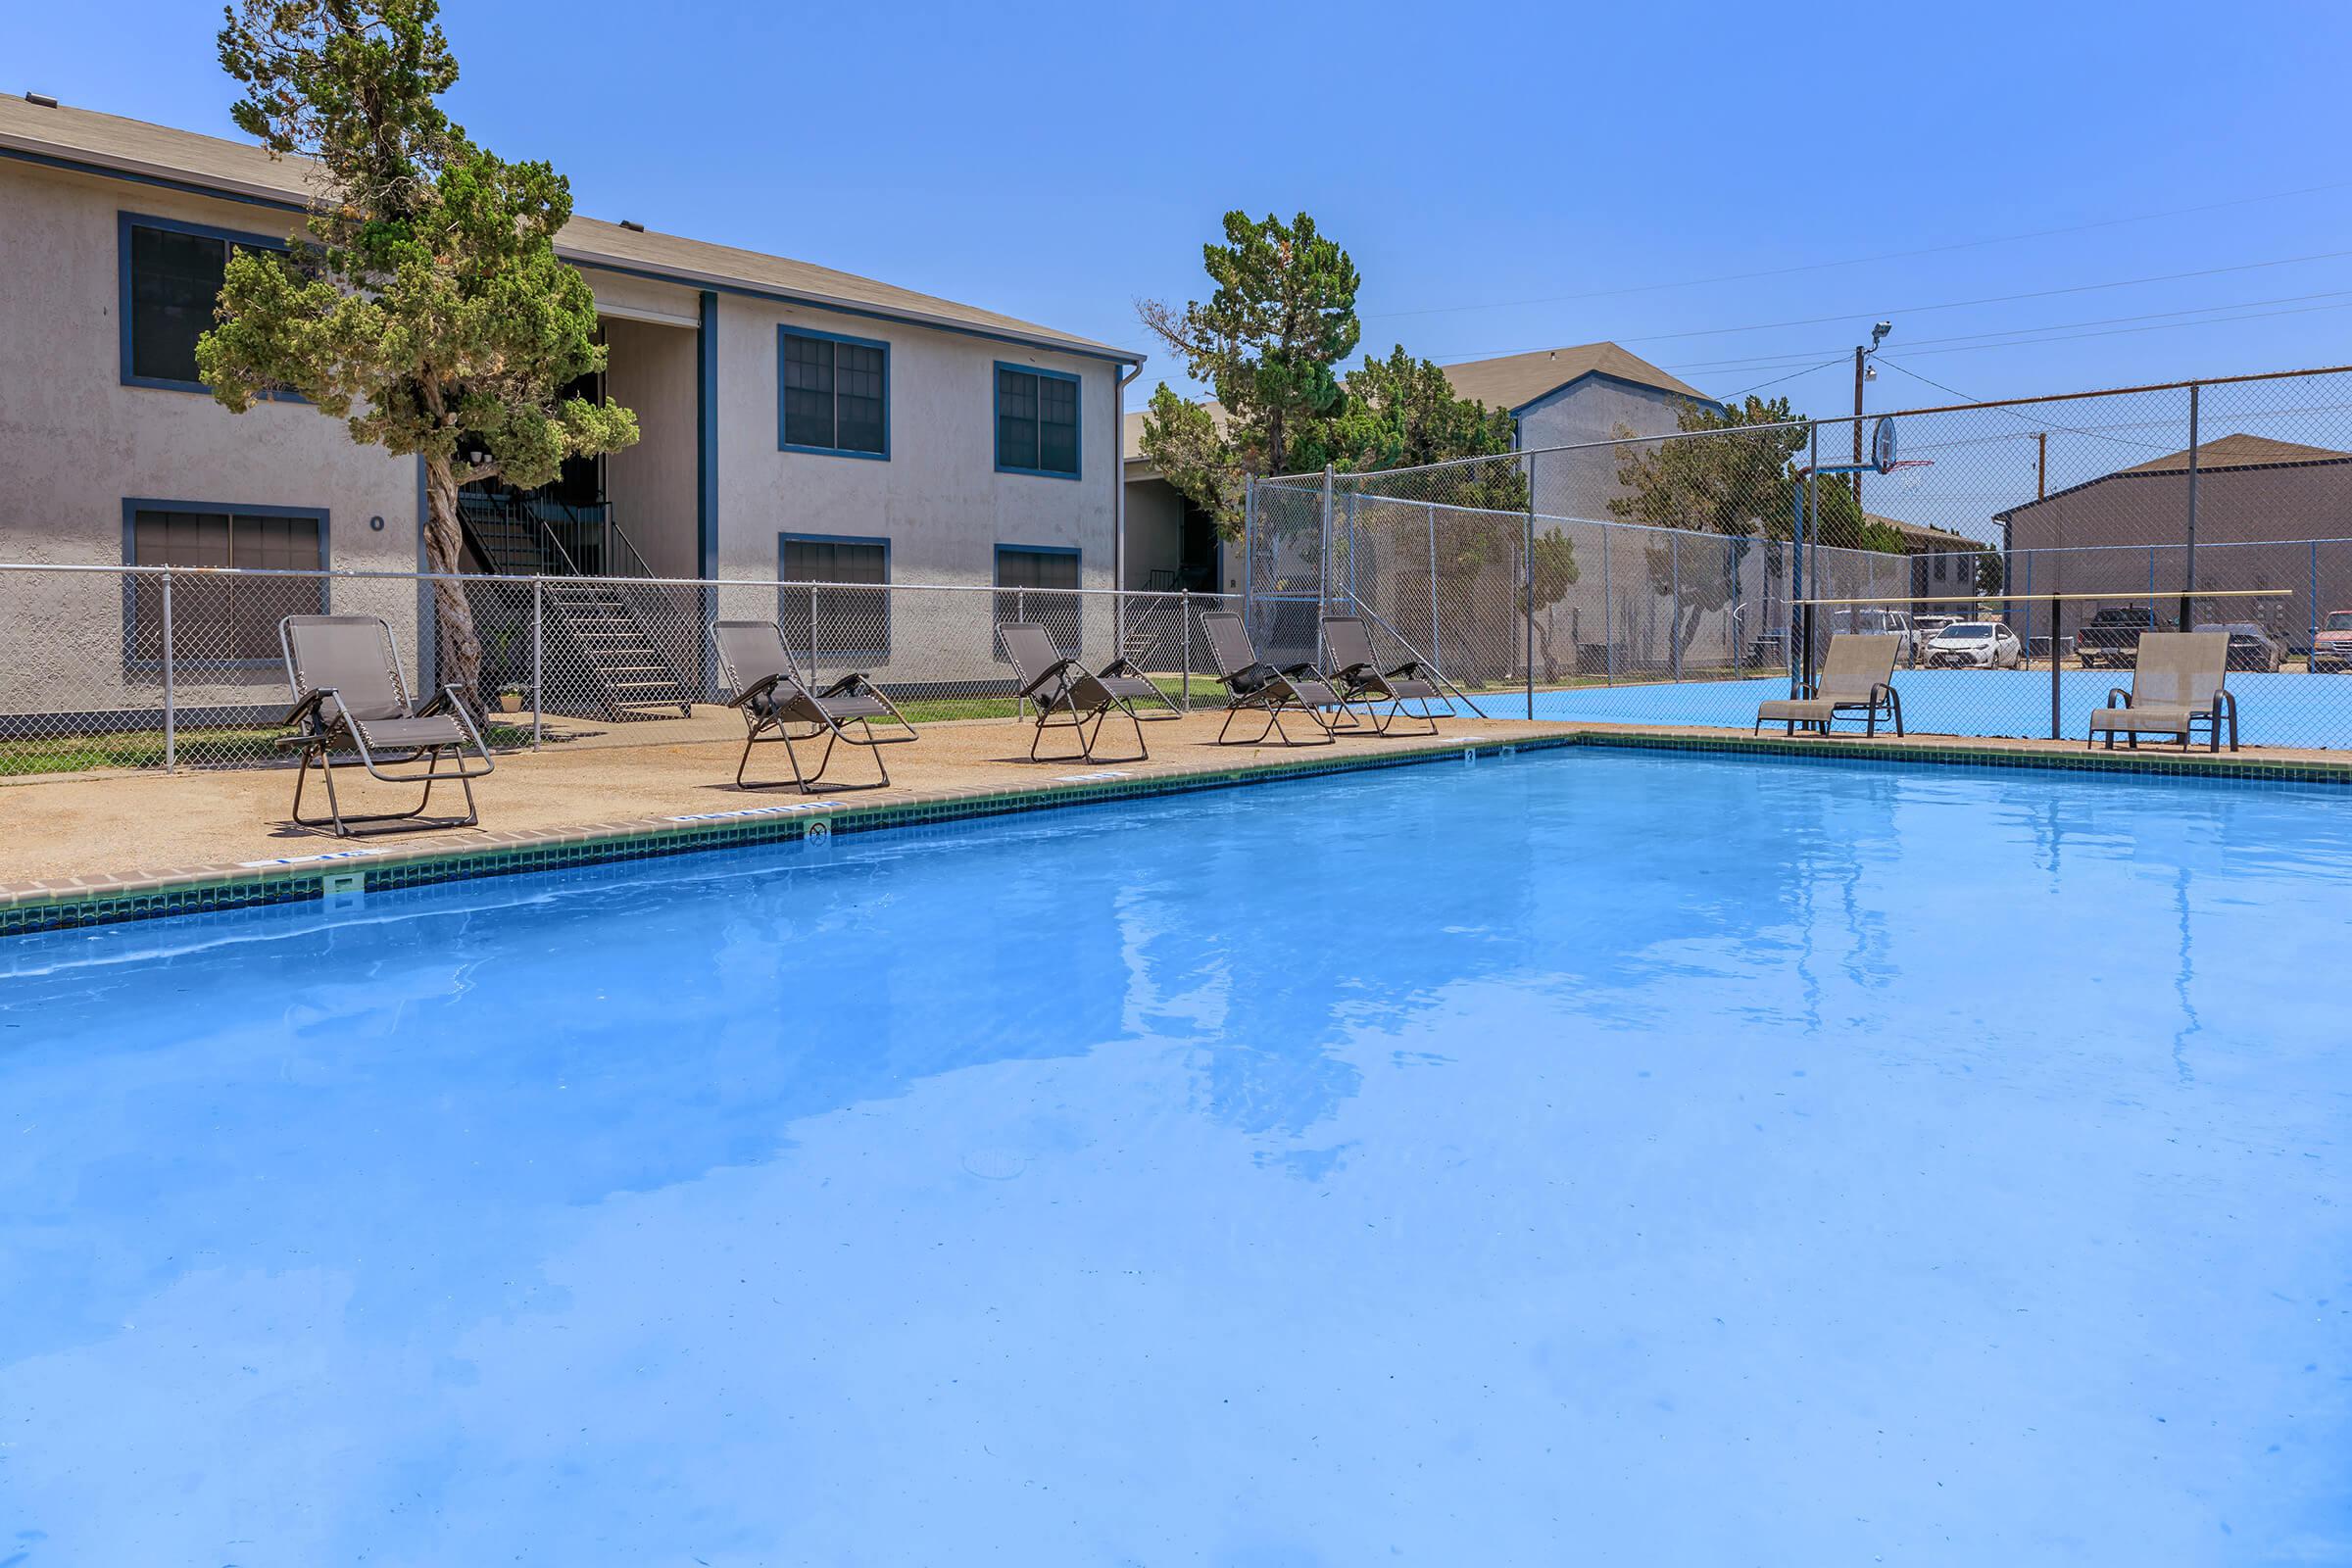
(1882, 444)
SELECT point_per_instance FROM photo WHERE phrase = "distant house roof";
(2219, 455)
(1515, 380)
(107, 144)
(1925, 538)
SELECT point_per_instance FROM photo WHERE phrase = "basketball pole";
(1807, 503)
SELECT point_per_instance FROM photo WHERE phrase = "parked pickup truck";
(2331, 647)
(2112, 636)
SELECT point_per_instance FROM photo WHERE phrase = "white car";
(1975, 644)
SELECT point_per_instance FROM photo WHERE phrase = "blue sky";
(1507, 177)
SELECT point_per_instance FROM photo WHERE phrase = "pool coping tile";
(58, 904)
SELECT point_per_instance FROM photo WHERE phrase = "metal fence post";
(1436, 639)
(1674, 623)
(1323, 549)
(2312, 636)
(1608, 603)
(812, 678)
(2188, 587)
(1248, 551)
(2056, 722)
(1528, 562)
(170, 694)
(538, 657)
(1184, 607)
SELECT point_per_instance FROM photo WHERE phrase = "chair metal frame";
(324, 722)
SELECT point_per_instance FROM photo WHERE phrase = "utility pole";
(1864, 371)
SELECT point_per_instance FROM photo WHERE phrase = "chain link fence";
(168, 667)
(1660, 579)
(2019, 549)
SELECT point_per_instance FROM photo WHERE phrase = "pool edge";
(107, 900)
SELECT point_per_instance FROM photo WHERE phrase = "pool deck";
(95, 848)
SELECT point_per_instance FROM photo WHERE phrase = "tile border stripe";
(304, 879)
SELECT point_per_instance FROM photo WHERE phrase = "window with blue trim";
(839, 619)
(1037, 422)
(833, 394)
(171, 280)
(1039, 583)
(223, 619)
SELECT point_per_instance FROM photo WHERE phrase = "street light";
(1864, 371)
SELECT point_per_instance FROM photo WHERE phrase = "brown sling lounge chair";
(2175, 686)
(350, 696)
(1068, 696)
(1255, 686)
(1857, 677)
(757, 670)
(1356, 672)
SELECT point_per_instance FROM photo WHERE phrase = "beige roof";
(1517, 380)
(1924, 537)
(2238, 452)
(82, 138)
(2224, 452)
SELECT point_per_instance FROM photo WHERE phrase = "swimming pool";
(2275, 709)
(1594, 1157)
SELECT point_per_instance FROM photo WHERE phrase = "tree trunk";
(458, 643)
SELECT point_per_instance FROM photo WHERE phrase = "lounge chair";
(1358, 674)
(2175, 686)
(768, 691)
(1068, 696)
(351, 696)
(1255, 686)
(1857, 677)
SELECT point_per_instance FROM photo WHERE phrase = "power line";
(1950, 305)
(1763, 362)
(1860, 260)
(1791, 376)
(2030, 424)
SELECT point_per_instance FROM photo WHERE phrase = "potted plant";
(509, 698)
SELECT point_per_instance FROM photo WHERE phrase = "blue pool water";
(2275, 710)
(1596, 1158)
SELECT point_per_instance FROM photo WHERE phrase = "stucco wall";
(2245, 516)
(1155, 530)
(75, 442)
(937, 497)
(651, 371)
(1581, 484)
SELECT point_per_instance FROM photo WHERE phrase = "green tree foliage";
(1554, 572)
(1739, 478)
(1399, 413)
(1988, 572)
(1270, 342)
(427, 309)
(1269, 338)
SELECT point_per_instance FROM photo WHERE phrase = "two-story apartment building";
(798, 422)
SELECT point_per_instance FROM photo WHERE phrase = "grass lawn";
(197, 748)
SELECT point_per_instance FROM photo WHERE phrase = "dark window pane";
(1044, 579)
(1016, 420)
(222, 617)
(174, 288)
(851, 622)
(859, 399)
(1057, 425)
(808, 391)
